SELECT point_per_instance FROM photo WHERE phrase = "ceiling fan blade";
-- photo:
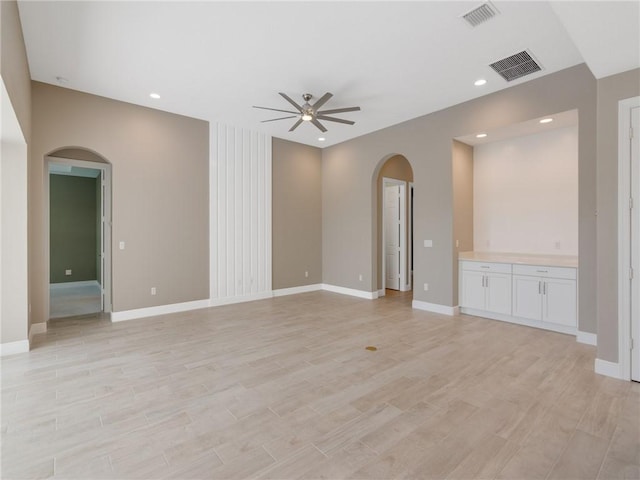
(296, 125)
(274, 109)
(324, 99)
(318, 124)
(334, 119)
(281, 118)
(339, 110)
(286, 97)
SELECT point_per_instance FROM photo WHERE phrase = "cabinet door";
(473, 292)
(527, 297)
(498, 287)
(559, 302)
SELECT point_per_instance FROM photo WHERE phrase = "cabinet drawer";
(485, 267)
(544, 271)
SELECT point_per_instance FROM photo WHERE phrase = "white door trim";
(624, 235)
(409, 237)
(106, 240)
(403, 232)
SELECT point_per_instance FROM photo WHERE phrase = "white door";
(559, 301)
(635, 244)
(527, 297)
(392, 236)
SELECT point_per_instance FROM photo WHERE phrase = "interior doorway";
(78, 237)
(394, 227)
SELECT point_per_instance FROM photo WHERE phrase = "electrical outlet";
(67, 272)
(426, 287)
(360, 277)
(306, 274)
(153, 290)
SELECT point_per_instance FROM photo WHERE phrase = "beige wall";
(349, 200)
(610, 91)
(399, 168)
(160, 194)
(297, 214)
(462, 176)
(15, 144)
(13, 64)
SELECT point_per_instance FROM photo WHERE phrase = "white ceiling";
(396, 60)
(530, 127)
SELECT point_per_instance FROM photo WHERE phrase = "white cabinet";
(486, 286)
(546, 294)
(538, 296)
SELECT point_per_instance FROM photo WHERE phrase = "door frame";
(624, 236)
(403, 232)
(105, 241)
(410, 237)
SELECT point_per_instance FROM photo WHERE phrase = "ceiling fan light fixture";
(306, 116)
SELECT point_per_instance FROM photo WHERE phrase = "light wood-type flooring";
(284, 388)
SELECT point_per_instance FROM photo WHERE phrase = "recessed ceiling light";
(546, 120)
(481, 135)
(321, 139)
(154, 95)
(479, 82)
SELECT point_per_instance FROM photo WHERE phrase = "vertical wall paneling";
(240, 206)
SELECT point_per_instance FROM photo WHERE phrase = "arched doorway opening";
(393, 186)
(77, 233)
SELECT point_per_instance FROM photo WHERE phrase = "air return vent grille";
(480, 14)
(516, 66)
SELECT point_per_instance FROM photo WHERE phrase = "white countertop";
(521, 258)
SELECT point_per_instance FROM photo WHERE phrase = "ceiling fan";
(311, 113)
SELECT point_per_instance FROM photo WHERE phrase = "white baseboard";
(382, 292)
(83, 283)
(434, 307)
(587, 338)
(11, 348)
(37, 328)
(350, 291)
(217, 302)
(609, 369)
(294, 290)
(159, 310)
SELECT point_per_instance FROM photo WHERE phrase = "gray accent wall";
(72, 228)
(297, 214)
(350, 170)
(160, 194)
(610, 91)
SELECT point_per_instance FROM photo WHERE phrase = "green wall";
(73, 216)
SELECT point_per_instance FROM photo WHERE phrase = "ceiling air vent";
(480, 14)
(516, 66)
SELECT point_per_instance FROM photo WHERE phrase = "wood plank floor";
(284, 388)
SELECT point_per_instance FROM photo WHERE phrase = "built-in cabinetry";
(486, 286)
(543, 296)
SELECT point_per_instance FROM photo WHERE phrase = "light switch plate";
(428, 243)
(121, 245)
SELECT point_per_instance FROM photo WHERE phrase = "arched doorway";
(77, 233)
(394, 232)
